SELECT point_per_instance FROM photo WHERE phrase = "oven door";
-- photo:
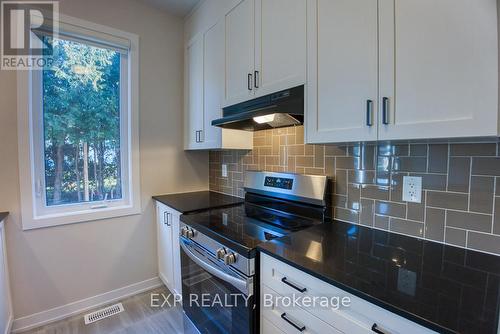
(216, 298)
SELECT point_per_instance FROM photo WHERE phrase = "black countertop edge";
(245, 252)
(410, 316)
(3, 215)
(196, 201)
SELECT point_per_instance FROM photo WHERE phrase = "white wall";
(55, 266)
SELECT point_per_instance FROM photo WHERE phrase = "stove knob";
(220, 253)
(183, 231)
(190, 233)
(230, 258)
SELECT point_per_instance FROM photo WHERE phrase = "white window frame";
(35, 212)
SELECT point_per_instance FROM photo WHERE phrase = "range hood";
(277, 110)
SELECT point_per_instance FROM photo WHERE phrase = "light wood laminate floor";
(138, 318)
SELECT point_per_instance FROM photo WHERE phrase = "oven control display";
(278, 182)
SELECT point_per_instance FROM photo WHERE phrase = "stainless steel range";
(218, 247)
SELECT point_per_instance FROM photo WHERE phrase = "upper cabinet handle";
(256, 79)
(385, 110)
(249, 81)
(369, 112)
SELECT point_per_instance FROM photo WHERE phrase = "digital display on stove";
(278, 182)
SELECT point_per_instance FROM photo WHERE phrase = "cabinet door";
(165, 247)
(194, 99)
(280, 49)
(239, 53)
(342, 71)
(5, 311)
(213, 83)
(445, 70)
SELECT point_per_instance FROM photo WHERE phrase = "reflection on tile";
(353, 196)
(434, 225)
(367, 212)
(362, 176)
(390, 209)
(496, 222)
(397, 187)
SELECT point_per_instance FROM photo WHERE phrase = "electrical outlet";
(224, 170)
(412, 189)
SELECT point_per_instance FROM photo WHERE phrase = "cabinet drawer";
(357, 318)
(269, 328)
(292, 319)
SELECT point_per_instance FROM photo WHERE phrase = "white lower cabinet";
(5, 298)
(280, 281)
(169, 261)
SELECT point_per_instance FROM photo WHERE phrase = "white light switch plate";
(224, 170)
(412, 189)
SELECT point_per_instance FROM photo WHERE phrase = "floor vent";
(104, 313)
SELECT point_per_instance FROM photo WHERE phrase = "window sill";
(79, 217)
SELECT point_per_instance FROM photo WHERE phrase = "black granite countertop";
(3, 215)
(197, 201)
(456, 290)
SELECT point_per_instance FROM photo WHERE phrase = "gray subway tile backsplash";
(461, 205)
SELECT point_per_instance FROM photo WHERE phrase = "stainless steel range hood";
(277, 110)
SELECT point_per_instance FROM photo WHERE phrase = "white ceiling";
(177, 7)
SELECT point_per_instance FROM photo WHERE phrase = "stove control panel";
(278, 182)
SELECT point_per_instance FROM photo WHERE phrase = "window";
(82, 148)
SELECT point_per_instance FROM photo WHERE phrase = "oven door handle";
(239, 284)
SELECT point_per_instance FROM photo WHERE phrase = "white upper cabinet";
(213, 82)
(194, 94)
(280, 48)
(342, 71)
(205, 62)
(240, 39)
(445, 70)
(435, 63)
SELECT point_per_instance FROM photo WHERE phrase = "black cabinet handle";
(369, 112)
(376, 330)
(249, 81)
(200, 134)
(256, 79)
(385, 110)
(302, 290)
(299, 328)
(196, 136)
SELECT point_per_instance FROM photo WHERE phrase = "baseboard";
(8, 328)
(68, 310)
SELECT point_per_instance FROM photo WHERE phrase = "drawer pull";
(299, 328)
(376, 330)
(302, 290)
